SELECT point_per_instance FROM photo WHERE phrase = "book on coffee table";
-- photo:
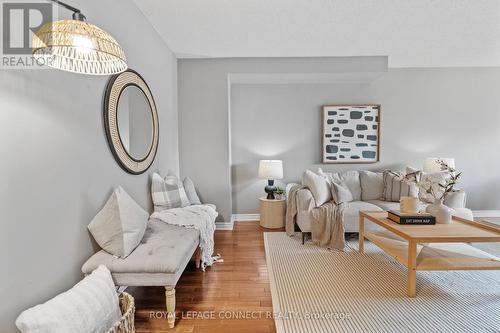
(411, 218)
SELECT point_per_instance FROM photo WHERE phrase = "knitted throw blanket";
(328, 226)
(199, 217)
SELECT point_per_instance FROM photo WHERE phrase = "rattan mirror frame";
(116, 85)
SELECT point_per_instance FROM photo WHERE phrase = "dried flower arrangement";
(438, 189)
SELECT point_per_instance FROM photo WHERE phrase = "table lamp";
(270, 170)
(431, 164)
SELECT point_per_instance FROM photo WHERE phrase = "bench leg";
(170, 301)
(197, 257)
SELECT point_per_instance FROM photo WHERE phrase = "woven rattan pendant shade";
(79, 47)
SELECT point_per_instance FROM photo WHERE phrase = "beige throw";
(327, 228)
(291, 209)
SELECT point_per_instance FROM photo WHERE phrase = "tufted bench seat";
(159, 260)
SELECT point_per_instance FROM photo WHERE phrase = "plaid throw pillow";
(396, 187)
(168, 193)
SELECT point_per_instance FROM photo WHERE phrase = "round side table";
(272, 213)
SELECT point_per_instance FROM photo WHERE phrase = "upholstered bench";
(159, 260)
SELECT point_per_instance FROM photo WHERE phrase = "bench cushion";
(159, 260)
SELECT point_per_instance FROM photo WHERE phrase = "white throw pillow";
(90, 306)
(348, 178)
(168, 193)
(120, 225)
(319, 187)
(372, 185)
(341, 193)
(430, 180)
(191, 191)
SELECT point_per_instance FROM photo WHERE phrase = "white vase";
(441, 212)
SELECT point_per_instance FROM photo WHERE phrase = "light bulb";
(82, 43)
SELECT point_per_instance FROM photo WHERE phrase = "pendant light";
(77, 46)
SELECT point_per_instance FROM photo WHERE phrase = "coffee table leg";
(361, 234)
(412, 269)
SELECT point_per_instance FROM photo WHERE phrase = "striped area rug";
(316, 290)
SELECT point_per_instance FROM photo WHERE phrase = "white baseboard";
(245, 217)
(224, 225)
(486, 213)
(236, 218)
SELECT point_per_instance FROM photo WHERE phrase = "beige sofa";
(367, 188)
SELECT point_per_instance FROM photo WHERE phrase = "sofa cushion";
(120, 225)
(387, 205)
(372, 185)
(353, 208)
(319, 187)
(349, 178)
(351, 215)
(163, 249)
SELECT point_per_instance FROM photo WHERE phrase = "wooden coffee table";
(432, 247)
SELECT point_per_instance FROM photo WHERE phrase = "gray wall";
(57, 170)
(276, 121)
(204, 113)
(425, 112)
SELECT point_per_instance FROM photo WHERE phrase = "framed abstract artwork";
(350, 133)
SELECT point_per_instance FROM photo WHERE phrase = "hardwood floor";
(237, 287)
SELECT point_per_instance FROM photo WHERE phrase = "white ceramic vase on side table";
(440, 211)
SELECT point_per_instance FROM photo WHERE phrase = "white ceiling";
(413, 33)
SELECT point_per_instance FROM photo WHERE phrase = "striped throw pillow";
(168, 193)
(396, 187)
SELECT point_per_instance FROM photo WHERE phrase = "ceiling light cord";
(77, 13)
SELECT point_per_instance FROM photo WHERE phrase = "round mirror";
(135, 123)
(131, 122)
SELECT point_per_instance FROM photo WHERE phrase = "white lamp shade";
(271, 169)
(431, 164)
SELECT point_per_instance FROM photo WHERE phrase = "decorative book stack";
(411, 218)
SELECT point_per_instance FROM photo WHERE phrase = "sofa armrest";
(305, 200)
(455, 199)
(288, 187)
